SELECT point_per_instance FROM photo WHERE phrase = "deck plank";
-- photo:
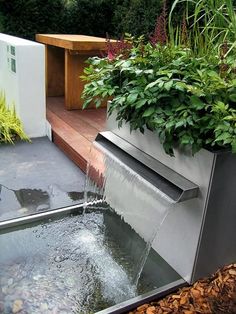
(79, 119)
(74, 135)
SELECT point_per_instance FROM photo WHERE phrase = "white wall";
(22, 79)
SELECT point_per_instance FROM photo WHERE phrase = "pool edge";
(156, 294)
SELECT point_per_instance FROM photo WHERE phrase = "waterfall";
(116, 187)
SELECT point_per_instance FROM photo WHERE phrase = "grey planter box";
(199, 235)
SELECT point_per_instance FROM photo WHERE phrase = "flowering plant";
(187, 98)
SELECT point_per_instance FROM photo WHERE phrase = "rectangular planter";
(198, 236)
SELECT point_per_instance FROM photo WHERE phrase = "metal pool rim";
(118, 308)
(14, 222)
(156, 294)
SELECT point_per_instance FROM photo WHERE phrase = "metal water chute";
(193, 236)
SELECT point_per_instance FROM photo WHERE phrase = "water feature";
(134, 199)
(79, 262)
(93, 259)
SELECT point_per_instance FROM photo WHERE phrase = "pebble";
(5, 290)
(43, 307)
(42, 207)
(17, 306)
(37, 277)
(23, 210)
(57, 259)
(10, 281)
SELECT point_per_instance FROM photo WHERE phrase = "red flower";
(160, 33)
(120, 47)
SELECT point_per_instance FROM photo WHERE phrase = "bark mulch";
(212, 295)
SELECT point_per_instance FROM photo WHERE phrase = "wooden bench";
(65, 62)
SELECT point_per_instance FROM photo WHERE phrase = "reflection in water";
(15, 203)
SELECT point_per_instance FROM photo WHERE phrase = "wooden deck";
(74, 131)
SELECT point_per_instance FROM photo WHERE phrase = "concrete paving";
(35, 177)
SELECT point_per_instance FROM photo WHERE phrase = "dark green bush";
(136, 16)
(25, 18)
(90, 17)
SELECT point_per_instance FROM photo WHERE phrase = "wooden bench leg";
(55, 71)
(74, 68)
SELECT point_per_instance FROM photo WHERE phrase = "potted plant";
(179, 89)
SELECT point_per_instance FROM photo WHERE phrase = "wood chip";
(232, 272)
(150, 310)
(215, 294)
(142, 307)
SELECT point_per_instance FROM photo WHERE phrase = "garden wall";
(22, 80)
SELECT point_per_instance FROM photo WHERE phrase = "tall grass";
(211, 23)
(11, 127)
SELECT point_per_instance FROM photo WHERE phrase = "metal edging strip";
(184, 188)
(11, 223)
(156, 294)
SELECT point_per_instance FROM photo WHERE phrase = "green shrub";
(25, 18)
(184, 92)
(90, 17)
(136, 16)
(168, 90)
(10, 126)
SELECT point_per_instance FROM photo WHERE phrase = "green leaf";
(161, 84)
(98, 102)
(159, 120)
(233, 145)
(148, 112)
(140, 103)
(86, 103)
(180, 123)
(132, 98)
(180, 86)
(150, 85)
(223, 136)
(168, 85)
(170, 124)
(196, 102)
(232, 97)
(186, 139)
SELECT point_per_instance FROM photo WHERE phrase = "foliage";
(136, 16)
(189, 100)
(10, 126)
(210, 22)
(25, 18)
(89, 17)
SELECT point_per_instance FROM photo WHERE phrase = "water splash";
(67, 265)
